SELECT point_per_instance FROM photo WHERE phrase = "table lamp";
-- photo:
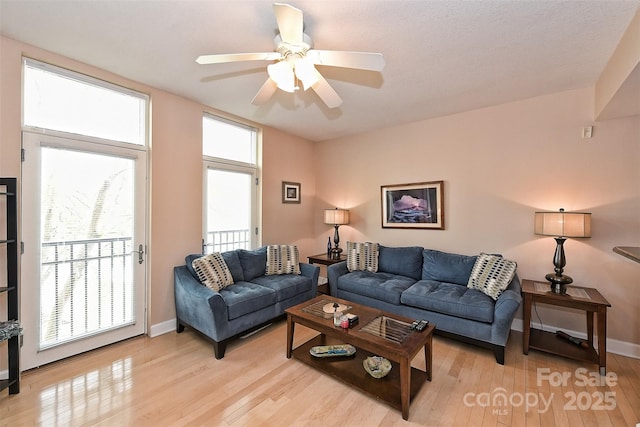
(561, 224)
(336, 217)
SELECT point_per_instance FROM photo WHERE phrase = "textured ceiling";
(442, 57)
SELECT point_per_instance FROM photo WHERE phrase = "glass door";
(83, 269)
(230, 205)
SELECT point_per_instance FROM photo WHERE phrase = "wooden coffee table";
(377, 333)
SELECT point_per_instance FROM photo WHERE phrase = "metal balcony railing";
(86, 287)
(227, 240)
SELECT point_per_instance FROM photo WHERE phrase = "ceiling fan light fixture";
(306, 72)
(282, 73)
(297, 60)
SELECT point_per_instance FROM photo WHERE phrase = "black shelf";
(10, 291)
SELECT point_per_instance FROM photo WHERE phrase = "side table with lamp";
(558, 292)
(335, 217)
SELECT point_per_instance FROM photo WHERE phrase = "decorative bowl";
(376, 366)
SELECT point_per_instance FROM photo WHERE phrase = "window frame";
(229, 165)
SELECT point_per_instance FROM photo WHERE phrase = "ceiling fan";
(296, 60)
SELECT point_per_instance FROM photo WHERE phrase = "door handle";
(140, 254)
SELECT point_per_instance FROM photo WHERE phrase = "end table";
(325, 259)
(587, 299)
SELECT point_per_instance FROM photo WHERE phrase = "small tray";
(339, 350)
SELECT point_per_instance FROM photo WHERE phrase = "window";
(62, 100)
(230, 185)
(226, 140)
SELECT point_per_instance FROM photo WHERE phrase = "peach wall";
(176, 195)
(499, 165)
(175, 172)
(288, 158)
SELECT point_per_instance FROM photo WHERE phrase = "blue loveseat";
(251, 301)
(428, 284)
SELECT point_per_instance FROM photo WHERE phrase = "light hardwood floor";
(174, 380)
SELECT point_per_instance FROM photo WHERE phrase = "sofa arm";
(312, 272)
(198, 306)
(334, 271)
(505, 310)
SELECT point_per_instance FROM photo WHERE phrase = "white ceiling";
(442, 57)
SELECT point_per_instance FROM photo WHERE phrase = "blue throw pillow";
(404, 261)
(447, 267)
(233, 262)
(254, 263)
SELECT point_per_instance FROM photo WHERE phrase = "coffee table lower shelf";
(350, 371)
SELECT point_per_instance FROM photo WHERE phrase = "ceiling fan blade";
(326, 92)
(336, 58)
(290, 23)
(265, 92)
(235, 57)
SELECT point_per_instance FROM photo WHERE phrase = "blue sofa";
(251, 302)
(428, 284)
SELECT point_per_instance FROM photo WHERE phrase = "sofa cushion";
(447, 267)
(230, 258)
(254, 263)
(404, 261)
(212, 271)
(362, 256)
(282, 259)
(285, 285)
(233, 262)
(245, 297)
(492, 274)
(382, 286)
(450, 299)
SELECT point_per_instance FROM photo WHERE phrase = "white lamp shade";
(306, 72)
(282, 73)
(563, 224)
(336, 216)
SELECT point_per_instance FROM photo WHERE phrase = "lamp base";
(559, 282)
(335, 253)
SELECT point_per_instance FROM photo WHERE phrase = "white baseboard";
(622, 348)
(162, 328)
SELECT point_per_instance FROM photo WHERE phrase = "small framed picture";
(290, 192)
(418, 205)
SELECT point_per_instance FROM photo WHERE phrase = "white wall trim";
(622, 348)
(162, 328)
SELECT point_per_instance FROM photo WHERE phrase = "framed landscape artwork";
(418, 205)
(290, 192)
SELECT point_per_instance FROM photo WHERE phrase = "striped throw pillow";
(491, 274)
(362, 256)
(282, 259)
(213, 271)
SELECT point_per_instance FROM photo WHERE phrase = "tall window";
(229, 152)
